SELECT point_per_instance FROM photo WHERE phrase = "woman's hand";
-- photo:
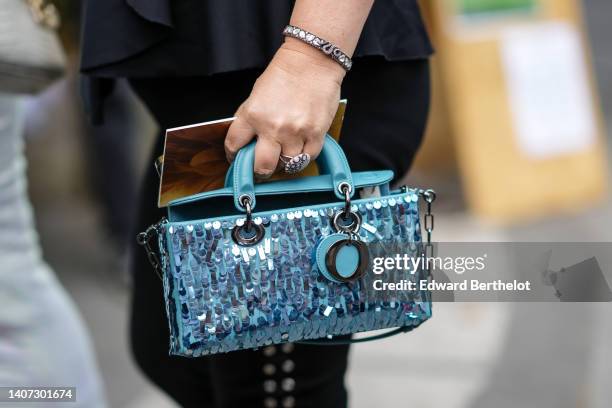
(291, 106)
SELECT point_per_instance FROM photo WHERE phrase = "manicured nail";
(263, 175)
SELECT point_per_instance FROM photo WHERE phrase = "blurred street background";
(468, 356)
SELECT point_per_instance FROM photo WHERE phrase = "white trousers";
(43, 341)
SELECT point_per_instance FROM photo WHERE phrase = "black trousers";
(386, 114)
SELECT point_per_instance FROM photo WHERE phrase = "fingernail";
(263, 175)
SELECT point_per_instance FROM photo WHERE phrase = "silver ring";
(295, 164)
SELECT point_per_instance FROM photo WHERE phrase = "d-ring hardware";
(249, 233)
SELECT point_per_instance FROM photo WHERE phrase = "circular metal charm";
(248, 236)
(295, 164)
(361, 263)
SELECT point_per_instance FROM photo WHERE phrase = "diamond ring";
(295, 164)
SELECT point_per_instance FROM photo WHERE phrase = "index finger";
(239, 134)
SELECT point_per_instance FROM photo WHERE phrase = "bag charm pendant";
(343, 256)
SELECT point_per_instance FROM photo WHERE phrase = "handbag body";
(296, 260)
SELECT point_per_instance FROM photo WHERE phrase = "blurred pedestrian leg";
(43, 340)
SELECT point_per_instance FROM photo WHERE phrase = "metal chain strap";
(429, 196)
(144, 239)
(428, 222)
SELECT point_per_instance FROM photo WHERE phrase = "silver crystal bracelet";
(325, 46)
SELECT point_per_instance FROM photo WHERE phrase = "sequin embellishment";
(222, 297)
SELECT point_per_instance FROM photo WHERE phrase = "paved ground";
(469, 355)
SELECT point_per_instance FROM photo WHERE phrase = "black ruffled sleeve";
(114, 30)
(166, 38)
(157, 11)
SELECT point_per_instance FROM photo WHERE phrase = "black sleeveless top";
(161, 38)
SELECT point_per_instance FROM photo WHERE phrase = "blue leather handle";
(331, 161)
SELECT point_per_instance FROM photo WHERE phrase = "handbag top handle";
(331, 161)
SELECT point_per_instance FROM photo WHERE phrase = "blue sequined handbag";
(251, 264)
